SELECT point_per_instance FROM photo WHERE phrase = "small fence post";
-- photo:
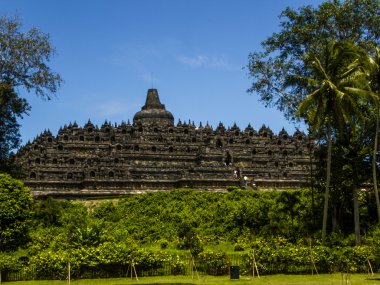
(369, 263)
(68, 269)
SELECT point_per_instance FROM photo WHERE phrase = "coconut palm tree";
(372, 67)
(337, 85)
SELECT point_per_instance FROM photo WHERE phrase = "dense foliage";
(179, 231)
(11, 108)
(24, 57)
(15, 213)
(322, 68)
(308, 29)
(181, 217)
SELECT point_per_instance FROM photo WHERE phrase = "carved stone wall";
(154, 154)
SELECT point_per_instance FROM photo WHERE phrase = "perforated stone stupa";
(153, 154)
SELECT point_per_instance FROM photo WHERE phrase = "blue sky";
(109, 52)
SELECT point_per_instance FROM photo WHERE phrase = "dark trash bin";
(234, 272)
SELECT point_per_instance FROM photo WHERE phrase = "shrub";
(164, 243)
(15, 213)
(49, 265)
(213, 263)
(239, 247)
(178, 266)
(232, 188)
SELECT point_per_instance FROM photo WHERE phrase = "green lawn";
(325, 279)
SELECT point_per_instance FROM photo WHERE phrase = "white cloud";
(112, 108)
(204, 61)
(196, 61)
(139, 60)
(146, 62)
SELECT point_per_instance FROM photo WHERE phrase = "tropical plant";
(307, 29)
(372, 66)
(15, 213)
(337, 85)
(24, 58)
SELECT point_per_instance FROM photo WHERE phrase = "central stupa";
(153, 112)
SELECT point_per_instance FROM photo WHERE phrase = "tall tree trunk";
(334, 219)
(356, 217)
(374, 168)
(311, 178)
(328, 177)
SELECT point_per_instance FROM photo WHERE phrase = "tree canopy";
(11, 108)
(339, 89)
(15, 212)
(24, 58)
(308, 30)
(315, 69)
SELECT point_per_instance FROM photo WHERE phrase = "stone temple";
(154, 154)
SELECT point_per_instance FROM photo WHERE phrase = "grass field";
(323, 279)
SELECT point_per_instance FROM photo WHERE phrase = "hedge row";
(115, 260)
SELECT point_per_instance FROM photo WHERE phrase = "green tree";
(302, 30)
(8, 262)
(353, 170)
(288, 203)
(372, 67)
(337, 86)
(188, 239)
(24, 58)
(15, 213)
(11, 108)
(49, 212)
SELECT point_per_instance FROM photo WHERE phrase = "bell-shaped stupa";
(153, 112)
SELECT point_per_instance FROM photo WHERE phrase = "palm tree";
(372, 67)
(337, 84)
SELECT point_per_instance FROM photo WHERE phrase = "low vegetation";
(183, 231)
(327, 279)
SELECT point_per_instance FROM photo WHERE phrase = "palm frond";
(307, 103)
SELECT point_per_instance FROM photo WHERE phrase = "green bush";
(105, 239)
(164, 243)
(9, 262)
(178, 266)
(239, 247)
(213, 263)
(232, 188)
(49, 265)
(15, 213)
